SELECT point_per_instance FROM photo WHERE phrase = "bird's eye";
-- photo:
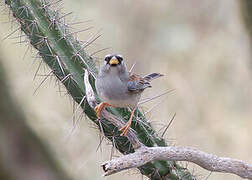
(107, 59)
(120, 59)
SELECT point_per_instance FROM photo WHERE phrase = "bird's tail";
(152, 76)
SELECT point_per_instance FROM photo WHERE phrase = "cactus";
(67, 60)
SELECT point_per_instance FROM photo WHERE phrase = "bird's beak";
(113, 61)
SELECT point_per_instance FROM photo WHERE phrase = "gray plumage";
(117, 87)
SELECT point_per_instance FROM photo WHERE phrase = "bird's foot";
(126, 127)
(99, 108)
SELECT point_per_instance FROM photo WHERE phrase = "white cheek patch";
(107, 55)
(120, 55)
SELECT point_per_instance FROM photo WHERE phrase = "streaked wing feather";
(137, 84)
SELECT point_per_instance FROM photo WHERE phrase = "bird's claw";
(125, 129)
(99, 108)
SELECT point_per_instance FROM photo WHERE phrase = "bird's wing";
(137, 84)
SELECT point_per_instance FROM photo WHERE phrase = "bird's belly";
(122, 102)
(117, 94)
(120, 99)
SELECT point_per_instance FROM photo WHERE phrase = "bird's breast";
(115, 92)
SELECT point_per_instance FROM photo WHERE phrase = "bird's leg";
(125, 128)
(99, 108)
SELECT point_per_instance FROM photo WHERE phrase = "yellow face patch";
(113, 61)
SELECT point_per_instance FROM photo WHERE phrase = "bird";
(117, 87)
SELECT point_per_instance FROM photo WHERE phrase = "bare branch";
(207, 161)
(89, 91)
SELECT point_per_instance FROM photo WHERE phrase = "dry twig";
(207, 161)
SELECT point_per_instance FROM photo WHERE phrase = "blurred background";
(201, 46)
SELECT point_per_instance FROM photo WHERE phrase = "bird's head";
(114, 64)
(113, 60)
